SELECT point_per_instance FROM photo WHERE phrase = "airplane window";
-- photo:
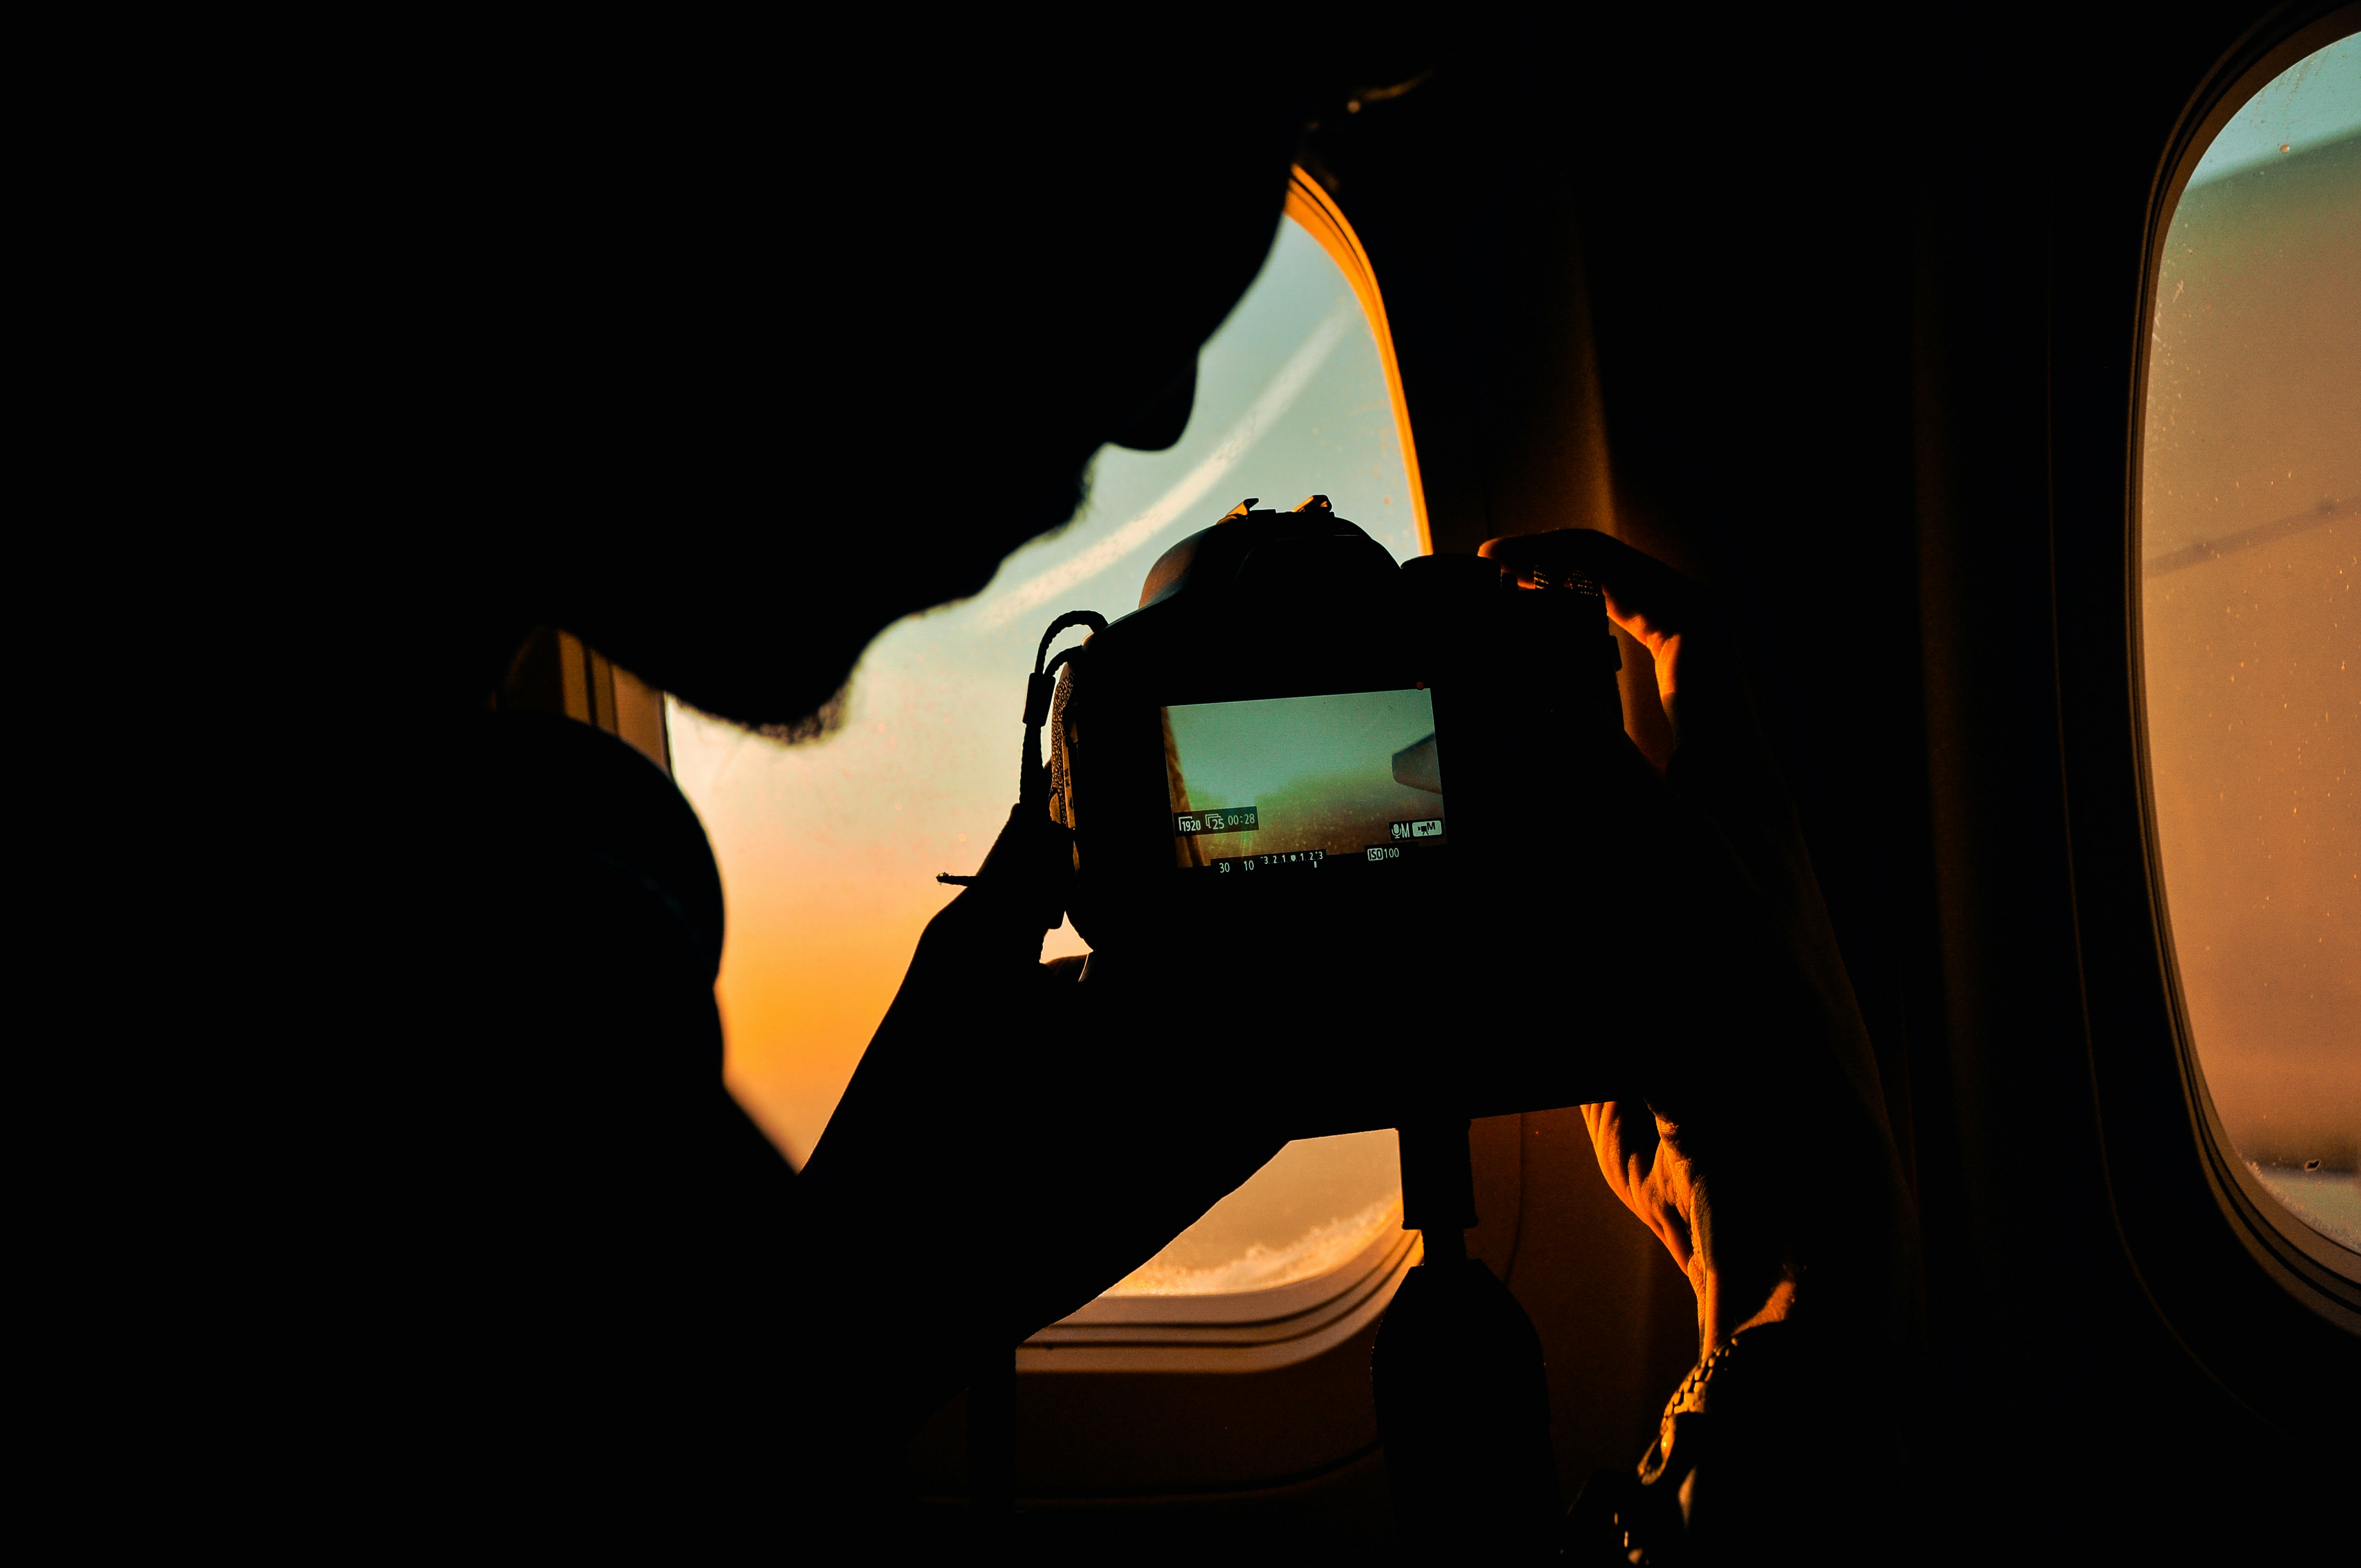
(2251, 548)
(829, 850)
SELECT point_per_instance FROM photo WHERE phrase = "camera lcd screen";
(1303, 783)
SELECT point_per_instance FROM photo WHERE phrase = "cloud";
(1268, 407)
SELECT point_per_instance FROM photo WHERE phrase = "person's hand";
(1648, 1174)
(1005, 1153)
(1757, 1150)
(1663, 612)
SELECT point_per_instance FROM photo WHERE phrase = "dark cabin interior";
(1842, 317)
(1883, 404)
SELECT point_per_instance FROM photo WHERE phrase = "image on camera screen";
(1303, 783)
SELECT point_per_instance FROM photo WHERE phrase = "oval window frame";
(2324, 1275)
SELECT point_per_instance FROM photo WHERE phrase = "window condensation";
(829, 850)
(2250, 551)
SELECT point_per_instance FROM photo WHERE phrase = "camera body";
(1295, 744)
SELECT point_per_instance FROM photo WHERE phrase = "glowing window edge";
(1316, 212)
(2324, 1275)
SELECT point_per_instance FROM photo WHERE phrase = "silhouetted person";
(723, 363)
(724, 360)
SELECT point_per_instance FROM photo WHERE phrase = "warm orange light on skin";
(1664, 647)
(1649, 604)
(1639, 1154)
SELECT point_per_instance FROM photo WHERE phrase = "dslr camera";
(1298, 766)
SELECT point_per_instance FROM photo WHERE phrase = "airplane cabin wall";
(1849, 320)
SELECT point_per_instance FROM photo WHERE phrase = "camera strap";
(1033, 781)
